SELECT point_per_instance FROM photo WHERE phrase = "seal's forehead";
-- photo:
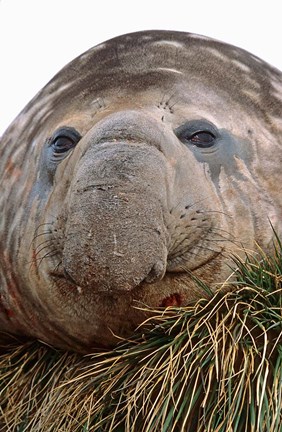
(137, 60)
(160, 62)
(153, 49)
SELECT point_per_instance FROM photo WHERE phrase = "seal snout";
(116, 237)
(118, 263)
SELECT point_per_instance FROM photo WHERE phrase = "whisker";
(49, 254)
(50, 243)
(206, 237)
(216, 211)
(33, 241)
(214, 228)
(189, 206)
(194, 252)
(219, 237)
(41, 225)
(232, 240)
(209, 249)
(57, 266)
(41, 234)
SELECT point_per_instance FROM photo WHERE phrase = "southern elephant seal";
(152, 156)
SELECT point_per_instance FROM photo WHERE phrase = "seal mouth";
(157, 274)
(63, 277)
(66, 278)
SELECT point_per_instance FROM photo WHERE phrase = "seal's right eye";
(62, 141)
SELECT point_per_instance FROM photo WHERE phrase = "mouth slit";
(64, 275)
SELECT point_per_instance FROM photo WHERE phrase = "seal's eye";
(199, 133)
(63, 140)
(63, 144)
(202, 139)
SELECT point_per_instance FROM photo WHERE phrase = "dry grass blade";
(214, 366)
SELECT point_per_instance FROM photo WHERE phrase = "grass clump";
(213, 366)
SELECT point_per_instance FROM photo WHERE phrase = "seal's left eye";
(64, 140)
(199, 133)
(202, 139)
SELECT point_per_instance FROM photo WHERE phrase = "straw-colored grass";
(214, 366)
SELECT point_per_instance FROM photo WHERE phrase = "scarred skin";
(150, 157)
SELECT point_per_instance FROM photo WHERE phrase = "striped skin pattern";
(175, 165)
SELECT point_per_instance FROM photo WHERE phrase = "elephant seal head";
(146, 162)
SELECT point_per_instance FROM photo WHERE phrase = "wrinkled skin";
(147, 159)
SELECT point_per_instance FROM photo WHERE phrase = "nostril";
(157, 272)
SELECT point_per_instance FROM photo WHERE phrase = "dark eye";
(63, 144)
(199, 133)
(64, 140)
(202, 139)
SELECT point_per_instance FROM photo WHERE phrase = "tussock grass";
(213, 366)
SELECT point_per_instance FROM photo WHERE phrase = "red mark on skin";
(34, 261)
(8, 312)
(12, 170)
(174, 299)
